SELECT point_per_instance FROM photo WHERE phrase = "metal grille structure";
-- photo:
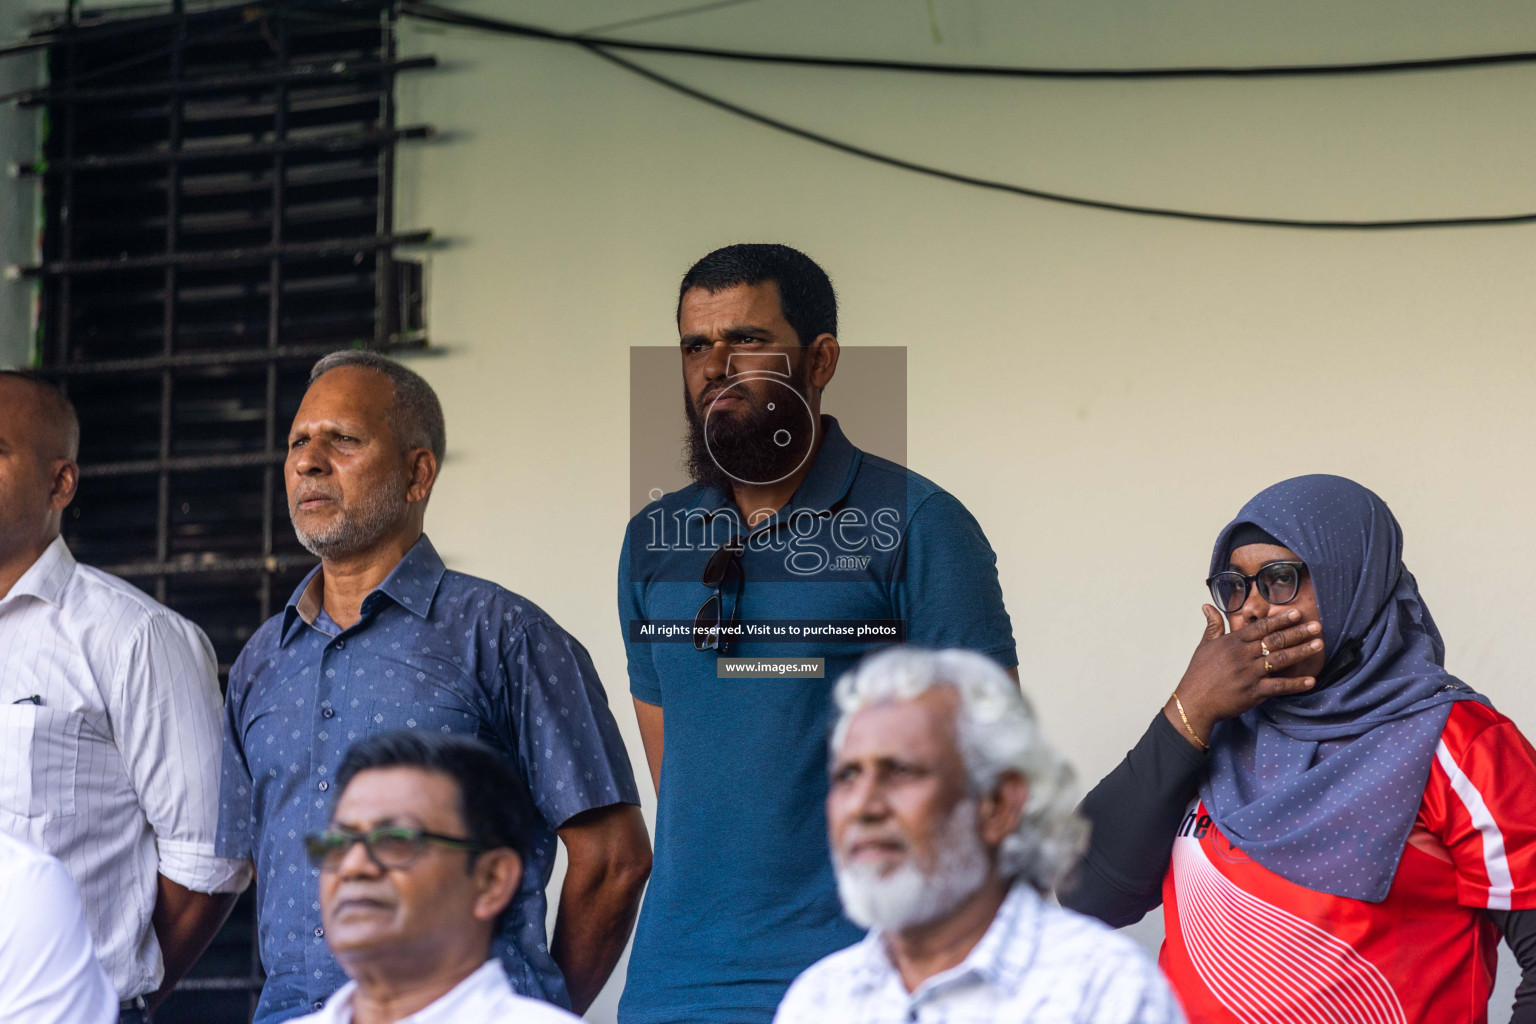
(218, 212)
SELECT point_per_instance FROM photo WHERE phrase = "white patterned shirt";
(485, 997)
(109, 750)
(1037, 963)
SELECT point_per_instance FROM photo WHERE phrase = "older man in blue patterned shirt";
(382, 636)
(949, 818)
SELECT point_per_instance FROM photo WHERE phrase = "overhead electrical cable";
(682, 12)
(603, 48)
(432, 12)
(1059, 197)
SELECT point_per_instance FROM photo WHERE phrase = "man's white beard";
(908, 897)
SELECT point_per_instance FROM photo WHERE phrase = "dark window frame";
(218, 210)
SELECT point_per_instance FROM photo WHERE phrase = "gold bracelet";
(1187, 727)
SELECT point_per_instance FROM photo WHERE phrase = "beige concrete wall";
(1102, 391)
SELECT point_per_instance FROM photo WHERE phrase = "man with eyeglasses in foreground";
(418, 868)
(742, 897)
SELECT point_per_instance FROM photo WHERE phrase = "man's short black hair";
(805, 291)
(488, 787)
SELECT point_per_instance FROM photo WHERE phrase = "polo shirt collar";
(412, 584)
(47, 578)
(828, 482)
(831, 475)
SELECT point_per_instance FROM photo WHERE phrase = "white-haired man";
(949, 816)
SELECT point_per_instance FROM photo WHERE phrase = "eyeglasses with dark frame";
(1278, 583)
(707, 633)
(390, 847)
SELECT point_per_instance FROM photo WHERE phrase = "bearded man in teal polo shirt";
(791, 544)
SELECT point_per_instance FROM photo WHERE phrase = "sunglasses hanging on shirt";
(723, 567)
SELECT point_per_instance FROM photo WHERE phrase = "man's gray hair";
(996, 732)
(417, 418)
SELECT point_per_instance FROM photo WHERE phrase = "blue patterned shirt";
(433, 650)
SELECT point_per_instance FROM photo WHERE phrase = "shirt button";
(327, 713)
(324, 785)
(319, 933)
(340, 644)
(318, 1004)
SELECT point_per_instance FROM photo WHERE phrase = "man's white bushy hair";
(997, 733)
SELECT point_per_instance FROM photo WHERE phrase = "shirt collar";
(1004, 955)
(831, 474)
(828, 482)
(469, 999)
(1007, 951)
(46, 578)
(488, 981)
(338, 1008)
(412, 584)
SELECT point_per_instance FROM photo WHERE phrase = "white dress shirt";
(1037, 962)
(485, 997)
(109, 750)
(48, 970)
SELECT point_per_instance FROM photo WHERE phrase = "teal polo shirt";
(742, 896)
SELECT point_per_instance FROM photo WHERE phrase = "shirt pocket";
(420, 711)
(39, 751)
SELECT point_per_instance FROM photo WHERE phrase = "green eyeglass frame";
(390, 847)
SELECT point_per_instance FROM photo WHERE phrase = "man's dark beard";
(741, 448)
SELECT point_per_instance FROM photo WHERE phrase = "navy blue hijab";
(1322, 787)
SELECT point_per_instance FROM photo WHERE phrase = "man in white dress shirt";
(48, 971)
(949, 817)
(418, 869)
(109, 722)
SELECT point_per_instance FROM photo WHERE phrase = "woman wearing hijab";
(1337, 828)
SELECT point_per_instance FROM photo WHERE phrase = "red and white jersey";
(1245, 946)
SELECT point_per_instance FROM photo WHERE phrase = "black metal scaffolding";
(218, 212)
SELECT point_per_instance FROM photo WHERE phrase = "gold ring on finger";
(1268, 668)
(1264, 648)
